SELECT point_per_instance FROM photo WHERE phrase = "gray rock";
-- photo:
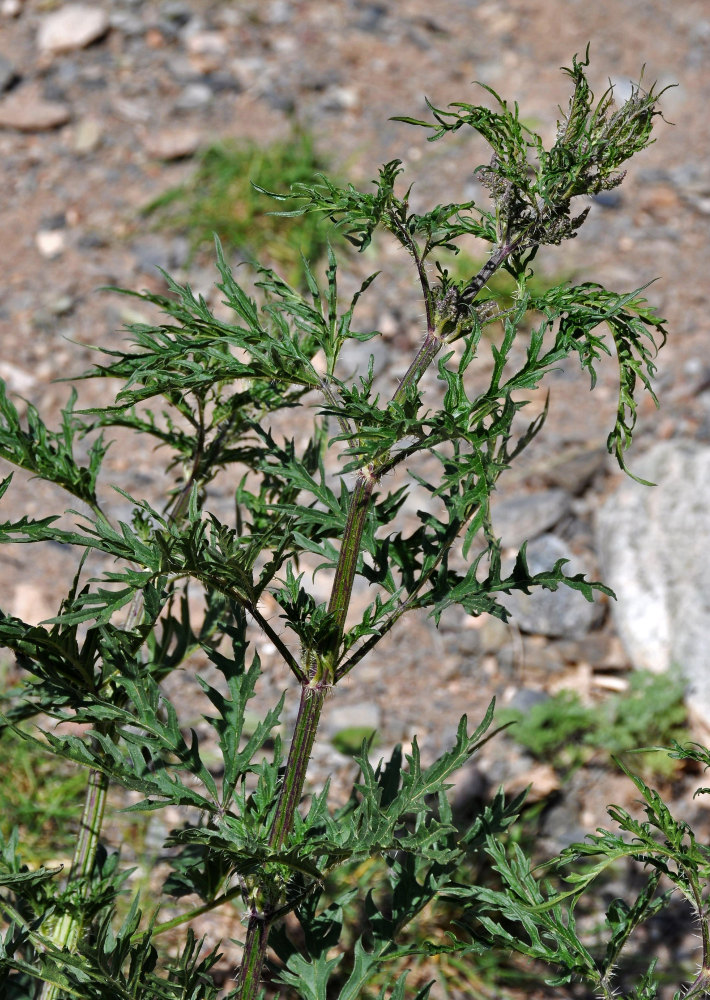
(563, 613)
(194, 95)
(280, 12)
(576, 470)
(72, 27)
(8, 73)
(154, 251)
(494, 634)
(526, 698)
(176, 11)
(172, 144)
(365, 715)
(518, 518)
(654, 546)
(128, 24)
(27, 111)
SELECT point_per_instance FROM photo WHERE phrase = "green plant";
(350, 740)
(220, 198)
(213, 394)
(39, 795)
(564, 731)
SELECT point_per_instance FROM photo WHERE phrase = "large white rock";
(654, 548)
(72, 27)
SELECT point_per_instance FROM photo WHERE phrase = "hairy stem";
(309, 710)
(350, 550)
(254, 954)
(253, 958)
(68, 928)
(313, 694)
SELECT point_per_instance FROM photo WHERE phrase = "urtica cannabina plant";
(208, 391)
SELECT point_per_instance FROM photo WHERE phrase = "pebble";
(206, 50)
(154, 251)
(494, 634)
(134, 110)
(172, 144)
(16, 379)
(362, 715)
(50, 242)
(8, 74)
(341, 99)
(175, 11)
(88, 135)
(280, 12)
(27, 111)
(71, 27)
(193, 96)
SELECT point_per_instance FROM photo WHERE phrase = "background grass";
(220, 198)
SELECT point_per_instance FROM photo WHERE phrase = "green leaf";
(50, 454)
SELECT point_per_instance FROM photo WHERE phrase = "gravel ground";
(92, 130)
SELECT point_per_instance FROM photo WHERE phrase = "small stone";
(207, 50)
(468, 790)
(176, 11)
(154, 39)
(365, 715)
(53, 220)
(280, 12)
(194, 95)
(135, 111)
(131, 26)
(11, 8)
(8, 74)
(172, 144)
(661, 202)
(50, 242)
(539, 783)
(154, 251)
(88, 135)
(494, 633)
(609, 199)
(72, 27)
(16, 379)
(341, 99)
(63, 305)
(27, 111)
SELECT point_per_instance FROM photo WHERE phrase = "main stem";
(320, 668)
(319, 678)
